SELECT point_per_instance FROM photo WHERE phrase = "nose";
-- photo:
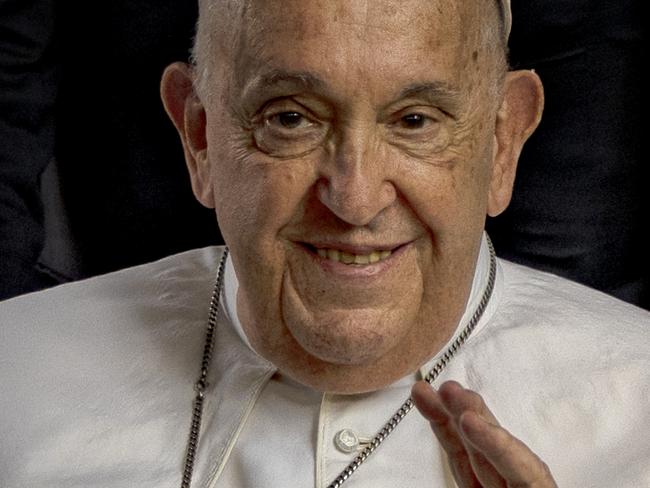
(355, 184)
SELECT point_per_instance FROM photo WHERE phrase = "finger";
(428, 402)
(497, 458)
(510, 457)
(458, 400)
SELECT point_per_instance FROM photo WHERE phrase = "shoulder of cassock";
(96, 377)
(567, 370)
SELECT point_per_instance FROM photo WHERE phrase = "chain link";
(202, 383)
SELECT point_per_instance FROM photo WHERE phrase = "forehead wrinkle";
(361, 16)
(241, 12)
(252, 47)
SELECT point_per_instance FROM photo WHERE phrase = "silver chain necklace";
(202, 383)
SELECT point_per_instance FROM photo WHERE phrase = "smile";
(348, 258)
(360, 263)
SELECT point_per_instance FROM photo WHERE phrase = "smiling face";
(348, 149)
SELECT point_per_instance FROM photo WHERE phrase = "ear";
(188, 115)
(517, 118)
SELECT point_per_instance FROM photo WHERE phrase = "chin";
(344, 372)
(349, 340)
(346, 354)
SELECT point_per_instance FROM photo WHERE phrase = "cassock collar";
(479, 285)
(229, 297)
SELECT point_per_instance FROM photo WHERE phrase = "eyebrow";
(294, 79)
(438, 92)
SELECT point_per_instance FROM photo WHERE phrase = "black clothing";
(581, 204)
(27, 93)
(80, 90)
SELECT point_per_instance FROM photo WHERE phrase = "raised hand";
(481, 452)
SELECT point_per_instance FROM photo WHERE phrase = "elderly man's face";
(349, 150)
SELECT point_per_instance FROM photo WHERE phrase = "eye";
(287, 129)
(423, 128)
(414, 121)
(288, 120)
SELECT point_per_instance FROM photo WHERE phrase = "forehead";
(309, 17)
(393, 41)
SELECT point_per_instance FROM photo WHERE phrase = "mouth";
(353, 256)
(340, 256)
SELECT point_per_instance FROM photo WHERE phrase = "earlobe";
(188, 116)
(517, 118)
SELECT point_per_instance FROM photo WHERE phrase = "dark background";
(92, 176)
(581, 202)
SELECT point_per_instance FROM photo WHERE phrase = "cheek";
(256, 197)
(450, 200)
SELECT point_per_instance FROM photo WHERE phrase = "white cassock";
(96, 388)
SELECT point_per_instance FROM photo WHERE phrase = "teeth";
(347, 258)
(361, 259)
